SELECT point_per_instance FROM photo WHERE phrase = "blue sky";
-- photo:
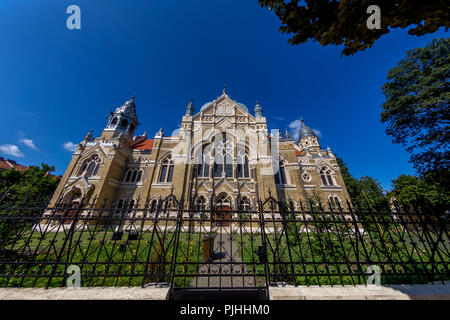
(57, 84)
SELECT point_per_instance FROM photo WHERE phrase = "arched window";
(203, 166)
(166, 170)
(223, 159)
(201, 204)
(338, 203)
(130, 206)
(90, 166)
(325, 176)
(153, 206)
(224, 201)
(133, 178)
(244, 204)
(139, 176)
(124, 123)
(119, 207)
(280, 175)
(114, 121)
(242, 166)
(218, 165)
(128, 178)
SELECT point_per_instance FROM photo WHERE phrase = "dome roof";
(243, 106)
(305, 131)
(206, 105)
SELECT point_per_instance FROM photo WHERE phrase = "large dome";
(305, 131)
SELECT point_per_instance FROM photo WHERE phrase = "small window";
(128, 176)
(245, 204)
(201, 204)
(124, 123)
(139, 176)
(280, 176)
(153, 206)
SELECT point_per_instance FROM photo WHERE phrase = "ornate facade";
(223, 154)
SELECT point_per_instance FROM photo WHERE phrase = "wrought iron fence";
(220, 248)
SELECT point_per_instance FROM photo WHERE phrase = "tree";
(416, 110)
(365, 192)
(345, 22)
(410, 191)
(21, 192)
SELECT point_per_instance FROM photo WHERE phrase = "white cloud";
(12, 150)
(295, 126)
(70, 146)
(28, 143)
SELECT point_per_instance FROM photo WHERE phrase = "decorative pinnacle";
(224, 91)
(132, 97)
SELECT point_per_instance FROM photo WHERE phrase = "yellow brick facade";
(119, 168)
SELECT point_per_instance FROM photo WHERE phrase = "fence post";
(264, 243)
(178, 226)
(288, 244)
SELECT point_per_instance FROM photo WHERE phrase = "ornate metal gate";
(163, 243)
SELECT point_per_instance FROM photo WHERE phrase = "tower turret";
(258, 110)
(307, 137)
(190, 108)
(122, 121)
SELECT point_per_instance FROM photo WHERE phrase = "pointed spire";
(160, 133)
(145, 134)
(287, 136)
(258, 110)
(224, 91)
(88, 136)
(190, 108)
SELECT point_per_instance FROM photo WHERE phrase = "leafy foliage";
(407, 188)
(27, 187)
(365, 192)
(417, 108)
(18, 189)
(344, 22)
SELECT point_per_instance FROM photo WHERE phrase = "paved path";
(226, 270)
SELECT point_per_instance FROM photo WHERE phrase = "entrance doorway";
(223, 216)
(71, 213)
(223, 208)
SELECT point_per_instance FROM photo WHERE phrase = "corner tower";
(122, 121)
(307, 138)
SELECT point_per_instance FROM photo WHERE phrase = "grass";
(43, 258)
(328, 258)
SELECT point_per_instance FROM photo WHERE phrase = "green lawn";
(103, 262)
(327, 257)
(336, 258)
